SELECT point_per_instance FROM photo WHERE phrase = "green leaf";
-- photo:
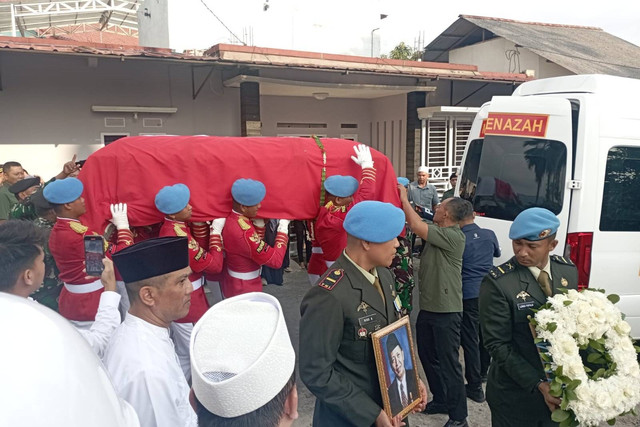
(567, 302)
(611, 422)
(556, 389)
(613, 298)
(637, 348)
(559, 372)
(551, 327)
(565, 423)
(595, 358)
(600, 372)
(570, 395)
(565, 402)
(559, 415)
(545, 357)
(538, 340)
(573, 384)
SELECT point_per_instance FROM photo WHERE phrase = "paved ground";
(290, 295)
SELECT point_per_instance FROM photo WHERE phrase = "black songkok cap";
(151, 258)
(392, 342)
(24, 184)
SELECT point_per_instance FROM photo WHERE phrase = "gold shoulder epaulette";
(502, 269)
(561, 260)
(242, 222)
(331, 279)
(179, 230)
(78, 228)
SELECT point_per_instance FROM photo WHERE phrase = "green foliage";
(559, 415)
(613, 298)
(403, 51)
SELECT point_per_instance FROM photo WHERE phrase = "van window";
(620, 201)
(504, 175)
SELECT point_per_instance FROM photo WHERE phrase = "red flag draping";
(132, 170)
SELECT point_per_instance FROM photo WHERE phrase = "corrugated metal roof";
(267, 57)
(581, 50)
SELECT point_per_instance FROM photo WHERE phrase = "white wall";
(153, 23)
(46, 99)
(490, 55)
(389, 129)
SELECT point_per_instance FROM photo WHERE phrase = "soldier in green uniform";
(351, 300)
(50, 290)
(23, 190)
(517, 391)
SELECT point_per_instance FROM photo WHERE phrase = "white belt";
(197, 284)
(329, 263)
(244, 276)
(316, 250)
(84, 288)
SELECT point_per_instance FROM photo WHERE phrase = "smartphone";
(93, 254)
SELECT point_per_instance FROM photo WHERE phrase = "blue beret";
(341, 186)
(374, 221)
(248, 192)
(172, 199)
(63, 191)
(403, 181)
(534, 224)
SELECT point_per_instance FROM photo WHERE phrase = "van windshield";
(504, 175)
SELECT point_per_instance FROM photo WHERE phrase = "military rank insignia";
(78, 228)
(332, 279)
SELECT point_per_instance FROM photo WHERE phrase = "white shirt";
(535, 271)
(146, 373)
(402, 386)
(107, 320)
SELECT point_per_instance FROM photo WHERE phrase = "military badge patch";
(544, 233)
(78, 228)
(332, 279)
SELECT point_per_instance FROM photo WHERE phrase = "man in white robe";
(140, 357)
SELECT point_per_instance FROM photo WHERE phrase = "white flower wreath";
(588, 320)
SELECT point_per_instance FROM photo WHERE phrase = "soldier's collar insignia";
(363, 306)
(524, 295)
(564, 282)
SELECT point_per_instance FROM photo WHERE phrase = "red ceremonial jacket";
(200, 262)
(246, 252)
(66, 243)
(328, 228)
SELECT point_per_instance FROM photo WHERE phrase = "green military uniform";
(449, 193)
(52, 286)
(7, 200)
(24, 210)
(337, 361)
(507, 296)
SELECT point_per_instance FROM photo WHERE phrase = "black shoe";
(453, 423)
(435, 408)
(476, 394)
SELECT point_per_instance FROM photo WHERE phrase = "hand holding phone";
(93, 254)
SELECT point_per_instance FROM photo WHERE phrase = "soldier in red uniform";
(173, 201)
(329, 232)
(80, 296)
(316, 266)
(246, 251)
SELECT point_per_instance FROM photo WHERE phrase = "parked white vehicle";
(572, 145)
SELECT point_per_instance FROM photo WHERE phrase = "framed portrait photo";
(397, 371)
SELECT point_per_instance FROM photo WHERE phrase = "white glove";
(258, 222)
(363, 158)
(283, 226)
(119, 216)
(217, 225)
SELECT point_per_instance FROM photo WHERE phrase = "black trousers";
(485, 357)
(499, 419)
(438, 337)
(470, 341)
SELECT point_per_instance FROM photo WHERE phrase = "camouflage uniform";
(50, 290)
(24, 209)
(402, 268)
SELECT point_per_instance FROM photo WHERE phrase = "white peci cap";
(423, 169)
(241, 354)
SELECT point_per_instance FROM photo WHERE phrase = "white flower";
(591, 316)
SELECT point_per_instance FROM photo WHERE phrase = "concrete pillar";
(415, 100)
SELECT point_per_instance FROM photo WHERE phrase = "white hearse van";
(571, 145)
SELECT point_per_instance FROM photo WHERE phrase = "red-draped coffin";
(133, 169)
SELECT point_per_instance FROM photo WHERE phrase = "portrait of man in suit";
(403, 389)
